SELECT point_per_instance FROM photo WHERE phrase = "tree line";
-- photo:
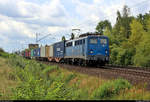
(129, 38)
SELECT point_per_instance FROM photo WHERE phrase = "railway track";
(129, 67)
(132, 74)
(132, 71)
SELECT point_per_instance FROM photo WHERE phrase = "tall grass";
(42, 82)
(111, 88)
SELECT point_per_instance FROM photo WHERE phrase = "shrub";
(32, 89)
(110, 88)
(1, 94)
(59, 91)
(80, 94)
(70, 77)
(4, 54)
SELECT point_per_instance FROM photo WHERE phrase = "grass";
(29, 80)
(6, 83)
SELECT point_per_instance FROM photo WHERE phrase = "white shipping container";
(51, 51)
(42, 51)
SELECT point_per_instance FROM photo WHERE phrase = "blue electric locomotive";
(93, 49)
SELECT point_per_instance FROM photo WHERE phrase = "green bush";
(1, 94)
(70, 77)
(109, 89)
(4, 54)
(30, 90)
(36, 82)
(18, 61)
(59, 91)
(80, 94)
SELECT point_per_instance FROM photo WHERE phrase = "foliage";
(110, 88)
(38, 81)
(142, 56)
(4, 54)
(103, 25)
(63, 38)
(1, 50)
(128, 39)
(137, 33)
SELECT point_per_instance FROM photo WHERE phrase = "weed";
(111, 88)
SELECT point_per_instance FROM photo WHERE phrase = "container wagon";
(59, 51)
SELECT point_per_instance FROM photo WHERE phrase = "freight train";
(88, 49)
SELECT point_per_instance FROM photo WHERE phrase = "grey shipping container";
(42, 52)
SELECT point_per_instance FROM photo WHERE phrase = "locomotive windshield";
(103, 41)
(93, 41)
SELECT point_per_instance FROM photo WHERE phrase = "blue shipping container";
(34, 53)
(59, 49)
(38, 52)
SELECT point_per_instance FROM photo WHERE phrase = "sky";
(20, 20)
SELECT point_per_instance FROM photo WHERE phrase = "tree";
(148, 25)
(118, 17)
(1, 50)
(72, 36)
(126, 11)
(108, 33)
(102, 26)
(143, 19)
(123, 22)
(63, 38)
(142, 56)
(126, 21)
(137, 33)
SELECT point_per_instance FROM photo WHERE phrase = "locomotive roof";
(79, 38)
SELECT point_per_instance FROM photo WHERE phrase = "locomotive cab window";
(80, 42)
(69, 44)
(83, 41)
(103, 41)
(93, 41)
(76, 43)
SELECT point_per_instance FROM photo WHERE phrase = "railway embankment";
(32, 80)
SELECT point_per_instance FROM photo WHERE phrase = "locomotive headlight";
(106, 51)
(91, 51)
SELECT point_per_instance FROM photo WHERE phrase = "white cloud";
(105, 9)
(21, 19)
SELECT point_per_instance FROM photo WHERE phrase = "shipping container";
(47, 51)
(33, 46)
(29, 53)
(51, 51)
(59, 49)
(26, 53)
(32, 53)
(42, 51)
(23, 53)
(38, 52)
